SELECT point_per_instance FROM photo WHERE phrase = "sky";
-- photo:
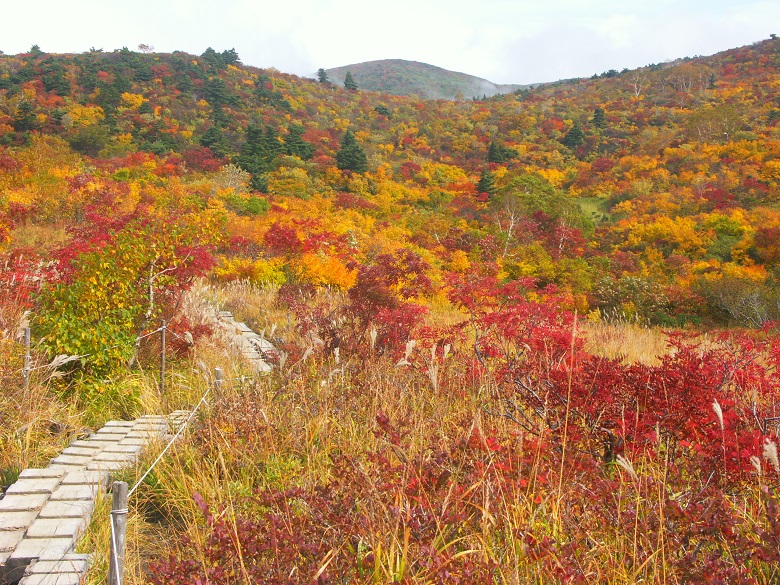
(505, 41)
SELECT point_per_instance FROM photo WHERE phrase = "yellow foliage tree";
(325, 270)
(132, 101)
(290, 182)
(85, 115)
(259, 271)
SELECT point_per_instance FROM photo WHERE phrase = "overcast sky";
(505, 41)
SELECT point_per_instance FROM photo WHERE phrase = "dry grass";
(627, 342)
(41, 238)
(285, 429)
(442, 313)
(34, 424)
(252, 304)
(37, 422)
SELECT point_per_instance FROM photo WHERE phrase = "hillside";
(411, 78)
(530, 338)
(657, 185)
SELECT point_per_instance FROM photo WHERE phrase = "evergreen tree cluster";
(498, 153)
(487, 183)
(220, 60)
(259, 152)
(265, 92)
(215, 140)
(295, 145)
(383, 110)
(599, 117)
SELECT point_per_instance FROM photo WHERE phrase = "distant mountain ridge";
(401, 77)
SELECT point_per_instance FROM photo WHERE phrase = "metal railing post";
(116, 564)
(217, 380)
(26, 371)
(162, 357)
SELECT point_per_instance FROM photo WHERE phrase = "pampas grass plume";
(718, 412)
(770, 454)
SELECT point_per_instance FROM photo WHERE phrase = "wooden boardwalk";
(253, 347)
(44, 513)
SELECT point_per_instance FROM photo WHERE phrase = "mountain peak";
(401, 77)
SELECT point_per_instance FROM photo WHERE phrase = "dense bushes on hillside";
(649, 195)
(434, 415)
(664, 175)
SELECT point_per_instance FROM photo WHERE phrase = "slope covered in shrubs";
(426, 270)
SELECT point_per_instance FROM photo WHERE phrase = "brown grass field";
(359, 470)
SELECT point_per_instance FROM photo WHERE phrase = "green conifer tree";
(349, 82)
(264, 89)
(216, 93)
(383, 110)
(574, 137)
(494, 155)
(487, 183)
(230, 57)
(599, 118)
(498, 153)
(350, 156)
(214, 140)
(219, 117)
(54, 80)
(258, 153)
(213, 59)
(295, 145)
(255, 155)
(272, 147)
(25, 118)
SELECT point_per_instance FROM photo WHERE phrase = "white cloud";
(506, 41)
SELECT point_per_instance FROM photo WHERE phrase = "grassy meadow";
(407, 465)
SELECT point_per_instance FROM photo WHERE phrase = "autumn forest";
(436, 276)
